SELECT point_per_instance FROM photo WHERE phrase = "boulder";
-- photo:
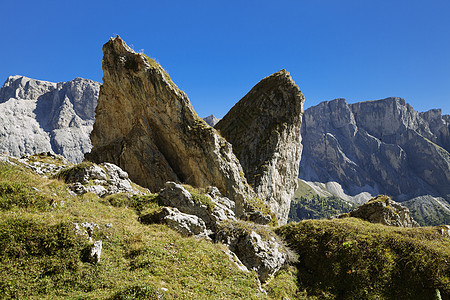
(147, 126)
(211, 209)
(384, 210)
(264, 129)
(103, 180)
(183, 223)
(256, 246)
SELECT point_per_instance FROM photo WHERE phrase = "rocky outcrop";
(357, 151)
(103, 180)
(256, 246)
(39, 116)
(147, 126)
(207, 214)
(384, 210)
(264, 129)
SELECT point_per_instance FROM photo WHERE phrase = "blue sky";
(216, 51)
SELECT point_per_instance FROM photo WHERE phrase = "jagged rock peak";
(147, 126)
(41, 116)
(264, 129)
(211, 120)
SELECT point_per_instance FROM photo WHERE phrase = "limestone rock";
(384, 210)
(96, 251)
(39, 116)
(256, 246)
(264, 129)
(211, 209)
(357, 151)
(147, 126)
(183, 223)
(103, 180)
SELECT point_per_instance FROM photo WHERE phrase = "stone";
(211, 210)
(361, 150)
(256, 246)
(264, 129)
(384, 210)
(96, 251)
(40, 116)
(103, 180)
(185, 224)
(145, 125)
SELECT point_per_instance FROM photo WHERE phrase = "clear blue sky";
(216, 51)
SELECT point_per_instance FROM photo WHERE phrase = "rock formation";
(357, 151)
(264, 129)
(384, 210)
(39, 116)
(147, 126)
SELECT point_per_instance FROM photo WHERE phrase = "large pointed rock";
(147, 126)
(264, 129)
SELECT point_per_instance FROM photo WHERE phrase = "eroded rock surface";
(264, 129)
(147, 126)
(40, 116)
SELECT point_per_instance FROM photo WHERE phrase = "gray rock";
(264, 129)
(358, 151)
(210, 210)
(384, 210)
(256, 246)
(96, 251)
(183, 223)
(103, 180)
(39, 116)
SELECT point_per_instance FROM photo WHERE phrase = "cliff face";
(39, 116)
(147, 126)
(360, 150)
(264, 129)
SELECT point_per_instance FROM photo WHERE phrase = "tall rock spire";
(264, 129)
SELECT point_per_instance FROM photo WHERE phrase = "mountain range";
(351, 152)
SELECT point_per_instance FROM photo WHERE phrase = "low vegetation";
(43, 257)
(353, 259)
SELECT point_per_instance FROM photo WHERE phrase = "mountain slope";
(39, 116)
(357, 151)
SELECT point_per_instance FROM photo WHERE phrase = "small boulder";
(382, 209)
(256, 246)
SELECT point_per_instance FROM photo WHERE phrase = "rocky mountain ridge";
(39, 116)
(357, 151)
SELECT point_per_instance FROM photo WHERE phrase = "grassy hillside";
(353, 259)
(42, 256)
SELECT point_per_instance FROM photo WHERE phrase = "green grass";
(41, 257)
(353, 259)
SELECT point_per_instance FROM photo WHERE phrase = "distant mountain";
(211, 120)
(39, 116)
(357, 151)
